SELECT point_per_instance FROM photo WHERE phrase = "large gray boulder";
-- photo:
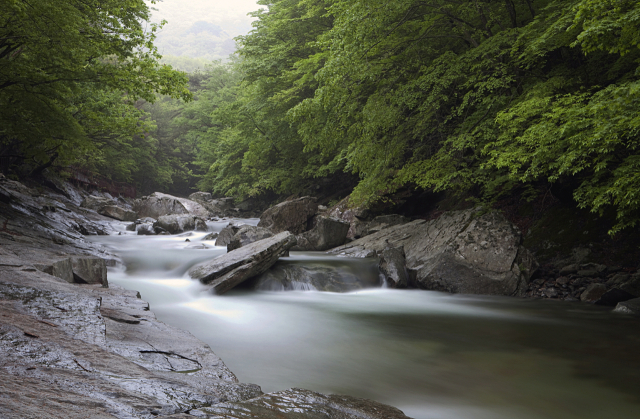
(247, 234)
(467, 252)
(221, 207)
(145, 229)
(158, 204)
(226, 271)
(293, 216)
(327, 233)
(201, 196)
(356, 217)
(226, 235)
(175, 223)
(118, 213)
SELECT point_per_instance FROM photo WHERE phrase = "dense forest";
(482, 98)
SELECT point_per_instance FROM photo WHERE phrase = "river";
(433, 355)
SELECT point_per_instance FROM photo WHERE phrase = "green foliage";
(255, 147)
(472, 95)
(479, 97)
(70, 75)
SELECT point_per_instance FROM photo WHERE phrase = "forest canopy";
(445, 95)
(466, 96)
(72, 74)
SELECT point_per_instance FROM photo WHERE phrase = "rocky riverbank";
(72, 346)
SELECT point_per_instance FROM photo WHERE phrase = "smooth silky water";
(433, 355)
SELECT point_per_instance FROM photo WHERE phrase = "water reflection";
(433, 355)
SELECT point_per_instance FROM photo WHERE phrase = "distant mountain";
(202, 29)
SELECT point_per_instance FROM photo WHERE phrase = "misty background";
(199, 31)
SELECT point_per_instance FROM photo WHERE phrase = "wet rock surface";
(293, 216)
(393, 267)
(118, 213)
(222, 207)
(327, 233)
(158, 204)
(226, 235)
(104, 348)
(175, 223)
(247, 234)
(75, 350)
(227, 271)
(460, 252)
(297, 403)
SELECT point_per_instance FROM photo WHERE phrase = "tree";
(67, 68)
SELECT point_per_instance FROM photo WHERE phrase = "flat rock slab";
(227, 271)
(70, 351)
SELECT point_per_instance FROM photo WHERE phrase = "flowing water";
(433, 355)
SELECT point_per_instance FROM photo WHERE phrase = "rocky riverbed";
(72, 346)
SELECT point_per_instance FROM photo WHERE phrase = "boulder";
(118, 213)
(248, 234)
(591, 270)
(327, 233)
(631, 285)
(217, 207)
(618, 279)
(613, 296)
(89, 270)
(460, 252)
(629, 307)
(145, 230)
(175, 223)
(569, 269)
(96, 203)
(226, 235)
(211, 236)
(293, 216)
(587, 270)
(158, 204)
(593, 293)
(392, 266)
(226, 271)
(200, 197)
(356, 217)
